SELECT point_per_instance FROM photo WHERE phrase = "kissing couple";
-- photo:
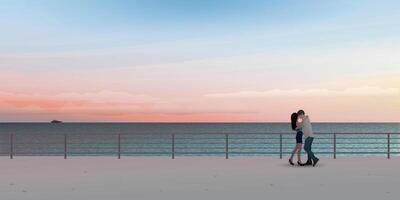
(300, 123)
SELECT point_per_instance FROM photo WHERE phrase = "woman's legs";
(297, 149)
(293, 152)
(298, 146)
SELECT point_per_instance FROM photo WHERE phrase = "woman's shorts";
(299, 137)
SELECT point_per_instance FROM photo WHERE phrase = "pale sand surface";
(191, 178)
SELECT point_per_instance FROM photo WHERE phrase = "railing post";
(119, 146)
(65, 146)
(11, 146)
(173, 146)
(388, 145)
(226, 146)
(280, 146)
(334, 146)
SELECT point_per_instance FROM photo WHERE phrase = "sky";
(199, 61)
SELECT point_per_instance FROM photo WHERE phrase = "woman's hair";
(293, 119)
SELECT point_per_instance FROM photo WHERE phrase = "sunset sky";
(199, 61)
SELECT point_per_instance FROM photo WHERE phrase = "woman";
(297, 126)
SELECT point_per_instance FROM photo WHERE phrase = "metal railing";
(206, 144)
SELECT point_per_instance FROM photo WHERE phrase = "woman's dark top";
(299, 136)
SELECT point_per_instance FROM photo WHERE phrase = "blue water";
(193, 139)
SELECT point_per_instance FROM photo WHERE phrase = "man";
(309, 138)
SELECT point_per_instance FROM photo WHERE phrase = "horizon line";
(198, 122)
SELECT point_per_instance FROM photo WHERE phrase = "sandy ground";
(191, 178)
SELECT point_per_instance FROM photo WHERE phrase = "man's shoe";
(309, 162)
(315, 162)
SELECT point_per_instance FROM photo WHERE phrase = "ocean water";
(193, 139)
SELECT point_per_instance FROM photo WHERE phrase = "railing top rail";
(290, 133)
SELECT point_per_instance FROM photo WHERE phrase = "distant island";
(56, 122)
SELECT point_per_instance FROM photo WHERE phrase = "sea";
(194, 139)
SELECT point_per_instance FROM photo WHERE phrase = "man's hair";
(301, 112)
